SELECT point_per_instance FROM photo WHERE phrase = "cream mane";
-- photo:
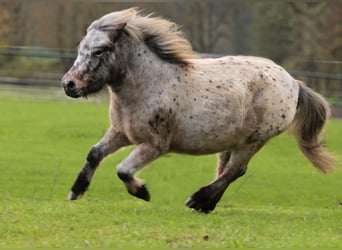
(162, 36)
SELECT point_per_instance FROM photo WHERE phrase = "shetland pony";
(163, 98)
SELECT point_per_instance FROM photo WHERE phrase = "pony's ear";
(114, 31)
(116, 34)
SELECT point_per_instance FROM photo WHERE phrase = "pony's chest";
(146, 124)
(133, 127)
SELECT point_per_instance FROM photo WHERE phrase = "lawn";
(282, 201)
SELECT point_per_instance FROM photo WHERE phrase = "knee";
(123, 174)
(94, 156)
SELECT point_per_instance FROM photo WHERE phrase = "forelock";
(114, 18)
(94, 38)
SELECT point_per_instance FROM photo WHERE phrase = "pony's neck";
(144, 67)
(143, 71)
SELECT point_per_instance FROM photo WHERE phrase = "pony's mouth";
(83, 92)
(73, 93)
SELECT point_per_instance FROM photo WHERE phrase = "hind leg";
(223, 159)
(206, 198)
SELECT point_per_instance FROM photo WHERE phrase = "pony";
(164, 98)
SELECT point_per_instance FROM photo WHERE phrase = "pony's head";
(95, 65)
(102, 58)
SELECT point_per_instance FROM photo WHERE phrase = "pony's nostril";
(70, 89)
(70, 85)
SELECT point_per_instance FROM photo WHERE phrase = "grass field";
(282, 201)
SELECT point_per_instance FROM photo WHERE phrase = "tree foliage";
(272, 30)
(6, 15)
(282, 31)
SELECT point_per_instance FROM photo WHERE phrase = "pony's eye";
(97, 53)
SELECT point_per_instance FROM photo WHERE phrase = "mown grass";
(282, 201)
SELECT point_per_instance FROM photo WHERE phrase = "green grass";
(282, 201)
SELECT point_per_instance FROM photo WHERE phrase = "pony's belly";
(203, 149)
(195, 150)
(205, 142)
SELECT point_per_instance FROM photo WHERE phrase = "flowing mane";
(162, 36)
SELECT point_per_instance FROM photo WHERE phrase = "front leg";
(140, 157)
(111, 142)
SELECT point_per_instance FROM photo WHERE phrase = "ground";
(336, 111)
(282, 201)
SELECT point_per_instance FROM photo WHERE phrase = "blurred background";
(38, 39)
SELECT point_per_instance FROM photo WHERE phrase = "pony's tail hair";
(312, 113)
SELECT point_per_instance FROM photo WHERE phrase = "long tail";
(312, 114)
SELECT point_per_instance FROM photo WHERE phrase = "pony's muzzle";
(70, 88)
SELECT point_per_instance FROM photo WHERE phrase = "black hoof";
(80, 187)
(142, 193)
(199, 206)
(204, 200)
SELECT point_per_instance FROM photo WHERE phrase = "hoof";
(204, 200)
(73, 196)
(199, 206)
(142, 193)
